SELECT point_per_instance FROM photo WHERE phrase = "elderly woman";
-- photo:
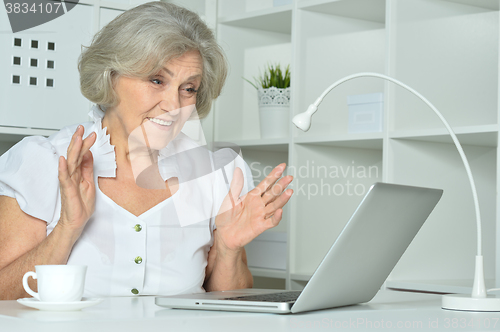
(76, 198)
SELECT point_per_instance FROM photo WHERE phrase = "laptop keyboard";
(272, 297)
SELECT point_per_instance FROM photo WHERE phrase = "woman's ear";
(113, 76)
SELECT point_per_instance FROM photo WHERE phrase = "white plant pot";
(274, 112)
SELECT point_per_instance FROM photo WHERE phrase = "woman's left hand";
(241, 219)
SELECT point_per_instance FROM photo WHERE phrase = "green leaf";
(273, 76)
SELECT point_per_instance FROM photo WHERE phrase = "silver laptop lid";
(369, 246)
(357, 264)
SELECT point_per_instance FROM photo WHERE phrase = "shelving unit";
(446, 50)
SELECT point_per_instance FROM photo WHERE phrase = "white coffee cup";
(57, 283)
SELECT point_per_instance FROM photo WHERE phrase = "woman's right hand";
(76, 178)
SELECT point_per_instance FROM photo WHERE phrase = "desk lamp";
(478, 300)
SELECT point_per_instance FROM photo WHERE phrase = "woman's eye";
(189, 92)
(156, 81)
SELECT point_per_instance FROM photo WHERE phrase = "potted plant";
(273, 88)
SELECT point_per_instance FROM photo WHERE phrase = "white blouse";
(161, 252)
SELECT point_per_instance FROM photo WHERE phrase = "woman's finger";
(72, 142)
(270, 179)
(278, 203)
(74, 154)
(65, 181)
(275, 218)
(232, 197)
(86, 145)
(236, 186)
(272, 193)
(87, 166)
(63, 171)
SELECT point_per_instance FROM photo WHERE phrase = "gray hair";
(138, 43)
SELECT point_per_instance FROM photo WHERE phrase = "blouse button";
(138, 260)
(135, 291)
(138, 228)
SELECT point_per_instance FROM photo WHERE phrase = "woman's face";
(154, 110)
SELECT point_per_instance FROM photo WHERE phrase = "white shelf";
(367, 10)
(268, 273)
(439, 286)
(272, 144)
(276, 19)
(365, 141)
(463, 286)
(14, 134)
(486, 4)
(486, 135)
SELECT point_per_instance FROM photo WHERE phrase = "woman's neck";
(131, 150)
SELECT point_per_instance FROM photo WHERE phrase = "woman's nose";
(170, 101)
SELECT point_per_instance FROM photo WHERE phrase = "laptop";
(355, 267)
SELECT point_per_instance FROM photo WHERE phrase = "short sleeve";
(29, 173)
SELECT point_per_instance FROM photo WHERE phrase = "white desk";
(388, 310)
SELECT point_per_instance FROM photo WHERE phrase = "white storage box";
(268, 251)
(366, 113)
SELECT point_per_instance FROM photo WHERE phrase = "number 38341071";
(49, 7)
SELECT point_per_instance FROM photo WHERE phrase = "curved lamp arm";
(303, 122)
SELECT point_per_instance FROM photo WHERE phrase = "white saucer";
(60, 306)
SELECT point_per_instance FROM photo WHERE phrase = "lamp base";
(464, 302)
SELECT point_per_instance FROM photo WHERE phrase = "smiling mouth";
(160, 122)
